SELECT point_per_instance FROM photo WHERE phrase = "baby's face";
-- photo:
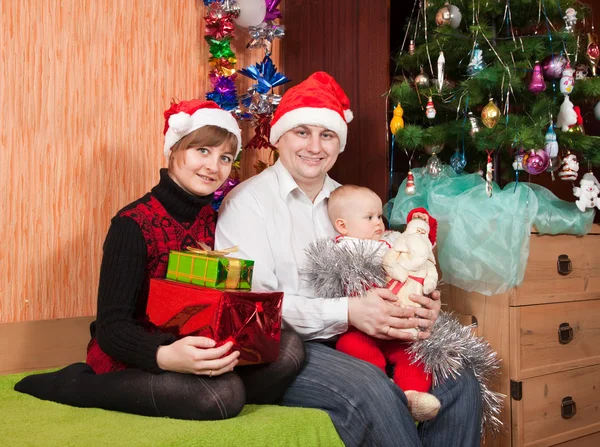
(364, 220)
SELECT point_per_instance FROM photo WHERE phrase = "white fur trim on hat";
(311, 116)
(182, 124)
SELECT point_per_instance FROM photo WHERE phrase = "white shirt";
(272, 221)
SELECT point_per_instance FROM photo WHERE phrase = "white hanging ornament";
(570, 19)
(581, 72)
(567, 115)
(551, 145)
(518, 163)
(488, 175)
(567, 81)
(597, 110)
(441, 63)
(434, 167)
(430, 111)
(410, 188)
(569, 168)
(252, 12)
(474, 124)
(587, 192)
(476, 62)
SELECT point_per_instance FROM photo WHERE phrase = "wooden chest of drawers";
(547, 333)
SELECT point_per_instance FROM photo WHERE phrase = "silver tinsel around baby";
(334, 270)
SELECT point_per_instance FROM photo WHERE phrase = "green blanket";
(27, 421)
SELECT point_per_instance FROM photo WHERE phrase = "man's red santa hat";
(432, 223)
(316, 101)
(184, 117)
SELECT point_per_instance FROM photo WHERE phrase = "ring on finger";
(210, 373)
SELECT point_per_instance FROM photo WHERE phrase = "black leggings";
(170, 394)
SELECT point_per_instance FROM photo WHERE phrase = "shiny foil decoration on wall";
(490, 115)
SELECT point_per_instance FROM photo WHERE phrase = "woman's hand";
(427, 314)
(197, 355)
(376, 315)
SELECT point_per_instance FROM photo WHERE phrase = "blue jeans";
(368, 409)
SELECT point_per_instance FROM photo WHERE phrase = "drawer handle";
(564, 265)
(568, 408)
(565, 333)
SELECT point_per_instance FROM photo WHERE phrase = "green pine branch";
(509, 53)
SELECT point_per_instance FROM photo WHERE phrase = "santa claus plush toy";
(410, 262)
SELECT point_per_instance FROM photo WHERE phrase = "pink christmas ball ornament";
(536, 162)
(553, 66)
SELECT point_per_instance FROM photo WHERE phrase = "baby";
(356, 214)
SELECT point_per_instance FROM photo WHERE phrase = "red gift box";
(251, 320)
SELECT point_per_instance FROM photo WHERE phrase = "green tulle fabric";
(483, 242)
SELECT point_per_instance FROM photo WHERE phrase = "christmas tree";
(497, 83)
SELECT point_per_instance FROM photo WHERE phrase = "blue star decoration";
(265, 74)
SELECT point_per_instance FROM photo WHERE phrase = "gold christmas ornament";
(397, 121)
(422, 80)
(490, 115)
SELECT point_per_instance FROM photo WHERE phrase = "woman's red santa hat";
(432, 223)
(184, 117)
(317, 101)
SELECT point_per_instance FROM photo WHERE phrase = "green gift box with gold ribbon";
(210, 268)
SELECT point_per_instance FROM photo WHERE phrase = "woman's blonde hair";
(205, 136)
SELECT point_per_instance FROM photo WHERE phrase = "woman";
(131, 365)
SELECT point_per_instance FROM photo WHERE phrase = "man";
(273, 217)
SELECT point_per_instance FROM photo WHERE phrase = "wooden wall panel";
(350, 39)
(83, 86)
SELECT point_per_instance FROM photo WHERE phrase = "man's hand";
(427, 314)
(376, 315)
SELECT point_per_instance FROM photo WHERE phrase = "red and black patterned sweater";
(136, 249)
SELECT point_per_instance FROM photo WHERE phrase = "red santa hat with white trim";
(184, 117)
(318, 101)
(432, 223)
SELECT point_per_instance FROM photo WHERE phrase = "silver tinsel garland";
(453, 347)
(334, 270)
